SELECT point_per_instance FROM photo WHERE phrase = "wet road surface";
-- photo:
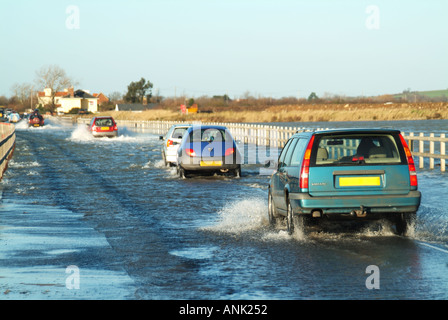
(85, 218)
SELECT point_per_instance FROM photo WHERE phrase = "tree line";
(24, 95)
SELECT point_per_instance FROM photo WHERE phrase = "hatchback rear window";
(209, 135)
(178, 133)
(356, 149)
(106, 122)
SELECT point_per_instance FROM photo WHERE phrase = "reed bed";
(302, 113)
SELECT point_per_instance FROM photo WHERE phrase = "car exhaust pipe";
(316, 214)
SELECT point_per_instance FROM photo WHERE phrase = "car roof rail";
(306, 130)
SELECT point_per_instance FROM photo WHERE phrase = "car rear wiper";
(350, 160)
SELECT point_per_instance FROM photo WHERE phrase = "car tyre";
(295, 223)
(271, 211)
(164, 159)
(237, 172)
(403, 222)
(290, 219)
(181, 172)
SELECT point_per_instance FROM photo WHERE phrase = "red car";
(36, 120)
(103, 127)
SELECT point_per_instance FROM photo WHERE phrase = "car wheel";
(237, 172)
(294, 223)
(164, 159)
(181, 172)
(271, 211)
(403, 222)
(289, 219)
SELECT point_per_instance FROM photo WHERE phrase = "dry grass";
(301, 113)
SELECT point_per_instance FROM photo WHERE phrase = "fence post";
(431, 151)
(411, 141)
(442, 152)
(421, 150)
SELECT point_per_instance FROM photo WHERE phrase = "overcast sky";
(212, 47)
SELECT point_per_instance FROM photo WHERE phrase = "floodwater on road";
(129, 228)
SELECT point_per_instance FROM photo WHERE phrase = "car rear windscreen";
(356, 149)
(178, 133)
(209, 135)
(107, 122)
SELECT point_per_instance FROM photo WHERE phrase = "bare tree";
(55, 78)
(22, 92)
(115, 96)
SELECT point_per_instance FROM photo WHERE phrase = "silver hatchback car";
(208, 149)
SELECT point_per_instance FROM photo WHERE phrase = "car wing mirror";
(272, 164)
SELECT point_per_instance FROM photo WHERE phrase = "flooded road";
(131, 229)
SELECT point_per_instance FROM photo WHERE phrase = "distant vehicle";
(3, 117)
(14, 117)
(171, 142)
(206, 148)
(352, 174)
(35, 119)
(103, 127)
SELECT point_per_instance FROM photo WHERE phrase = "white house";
(44, 97)
(69, 99)
(78, 99)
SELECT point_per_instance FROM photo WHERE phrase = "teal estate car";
(354, 174)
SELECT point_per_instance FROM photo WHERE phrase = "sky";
(278, 48)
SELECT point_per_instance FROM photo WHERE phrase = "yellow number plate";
(104, 128)
(210, 163)
(359, 181)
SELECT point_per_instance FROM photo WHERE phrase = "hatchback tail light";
(305, 170)
(169, 142)
(229, 151)
(411, 165)
(115, 127)
(190, 152)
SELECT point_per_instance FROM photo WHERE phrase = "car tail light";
(115, 127)
(230, 151)
(190, 152)
(411, 165)
(305, 171)
(169, 142)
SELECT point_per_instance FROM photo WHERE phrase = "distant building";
(187, 110)
(69, 99)
(81, 99)
(102, 99)
(44, 97)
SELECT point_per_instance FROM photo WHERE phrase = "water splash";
(241, 216)
(82, 134)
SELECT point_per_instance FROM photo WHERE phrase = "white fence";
(427, 150)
